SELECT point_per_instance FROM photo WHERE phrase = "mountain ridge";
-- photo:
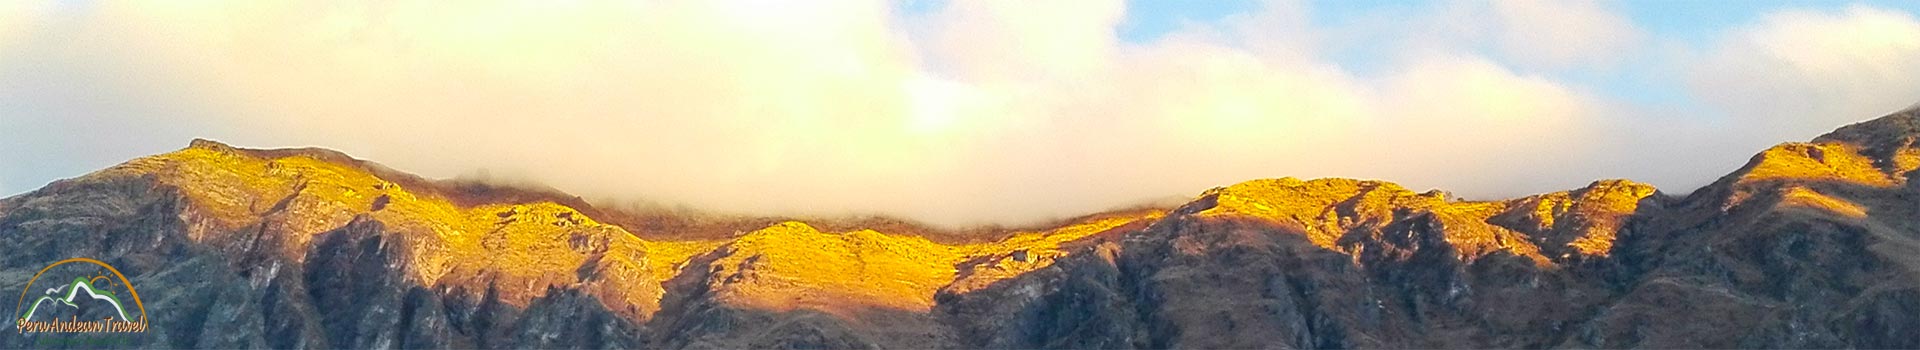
(1805, 246)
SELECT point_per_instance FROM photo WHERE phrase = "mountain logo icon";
(98, 298)
(73, 293)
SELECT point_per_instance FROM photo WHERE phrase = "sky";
(954, 112)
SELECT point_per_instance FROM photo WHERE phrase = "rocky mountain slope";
(1809, 245)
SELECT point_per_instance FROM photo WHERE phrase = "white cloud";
(1531, 35)
(1007, 39)
(981, 111)
(1797, 73)
(1003, 113)
(1560, 34)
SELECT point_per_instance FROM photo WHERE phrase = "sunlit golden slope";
(792, 265)
(1584, 221)
(1338, 214)
(1323, 208)
(1814, 162)
(1820, 175)
(523, 248)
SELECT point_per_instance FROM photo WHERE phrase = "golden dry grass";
(1802, 198)
(527, 245)
(1588, 219)
(793, 265)
(1327, 209)
(1317, 206)
(1817, 161)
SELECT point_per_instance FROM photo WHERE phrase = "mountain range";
(1809, 245)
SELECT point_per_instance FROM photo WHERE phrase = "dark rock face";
(1812, 245)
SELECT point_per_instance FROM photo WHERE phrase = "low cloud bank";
(973, 112)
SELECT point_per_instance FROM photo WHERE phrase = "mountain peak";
(1879, 152)
(210, 145)
(1820, 161)
(1288, 197)
(1898, 127)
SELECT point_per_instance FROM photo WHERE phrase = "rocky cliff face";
(1809, 245)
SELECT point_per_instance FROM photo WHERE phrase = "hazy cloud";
(1559, 34)
(1798, 73)
(975, 112)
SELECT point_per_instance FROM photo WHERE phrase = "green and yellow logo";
(96, 299)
